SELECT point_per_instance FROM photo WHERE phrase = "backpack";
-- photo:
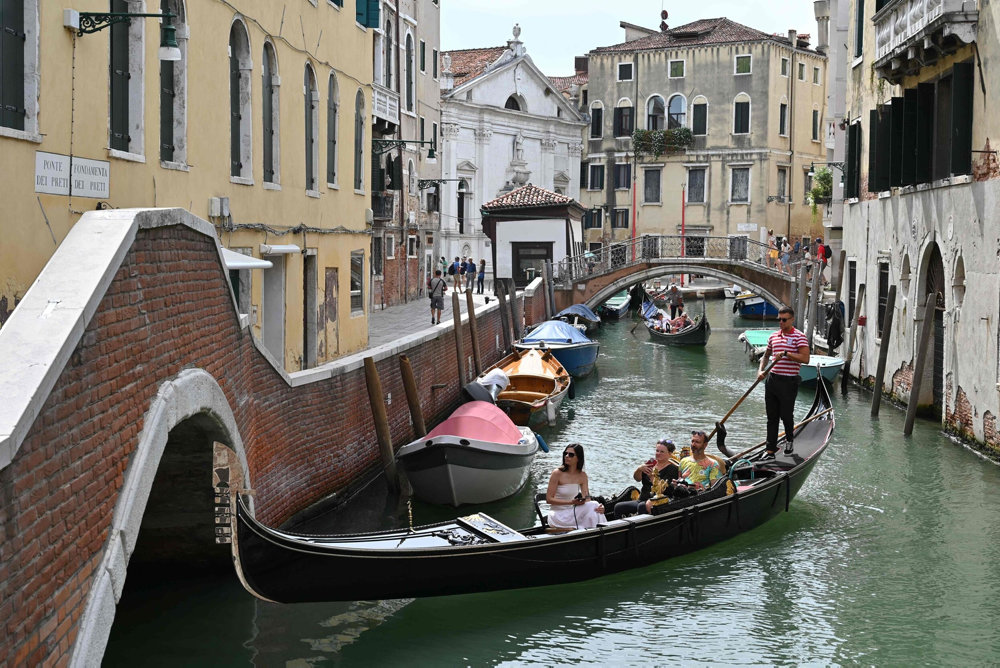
(451, 268)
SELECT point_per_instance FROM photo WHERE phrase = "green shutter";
(12, 64)
(120, 76)
(925, 132)
(309, 106)
(373, 10)
(853, 175)
(423, 56)
(167, 111)
(962, 91)
(908, 144)
(268, 113)
(361, 11)
(896, 142)
(236, 165)
(331, 133)
(700, 124)
(873, 151)
(882, 151)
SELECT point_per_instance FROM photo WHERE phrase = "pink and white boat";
(477, 455)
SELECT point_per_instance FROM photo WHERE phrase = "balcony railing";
(385, 104)
(912, 33)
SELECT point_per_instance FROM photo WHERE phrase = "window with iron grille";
(357, 282)
(623, 176)
(739, 192)
(377, 255)
(696, 185)
(883, 293)
(815, 125)
(651, 186)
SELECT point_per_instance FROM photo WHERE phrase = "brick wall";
(168, 309)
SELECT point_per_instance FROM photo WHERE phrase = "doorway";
(934, 285)
(529, 260)
(273, 306)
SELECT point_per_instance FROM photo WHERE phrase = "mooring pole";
(800, 297)
(842, 265)
(813, 304)
(473, 331)
(504, 315)
(550, 288)
(459, 344)
(883, 352)
(412, 398)
(858, 305)
(516, 312)
(381, 424)
(919, 363)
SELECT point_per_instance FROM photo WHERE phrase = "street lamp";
(86, 23)
(380, 146)
(812, 167)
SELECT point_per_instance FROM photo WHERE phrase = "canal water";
(890, 554)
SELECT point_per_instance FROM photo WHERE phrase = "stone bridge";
(594, 277)
(122, 365)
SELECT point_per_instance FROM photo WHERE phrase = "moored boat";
(538, 383)
(694, 335)
(749, 305)
(617, 306)
(579, 314)
(755, 341)
(571, 347)
(826, 365)
(477, 553)
(476, 455)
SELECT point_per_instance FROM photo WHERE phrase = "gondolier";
(791, 350)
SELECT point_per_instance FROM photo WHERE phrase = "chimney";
(821, 9)
(581, 64)
(793, 37)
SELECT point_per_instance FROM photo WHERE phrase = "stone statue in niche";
(519, 146)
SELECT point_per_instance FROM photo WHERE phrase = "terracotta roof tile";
(470, 63)
(696, 33)
(562, 84)
(527, 196)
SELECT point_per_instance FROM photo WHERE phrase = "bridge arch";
(194, 400)
(648, 273)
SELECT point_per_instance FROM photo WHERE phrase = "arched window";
(387, 55)
(655, 112)
(173, 91)
(741, 114)
(677, 112)
(596, 119)
(311, 106)
(512, 103)
(240, 133)
(699, 115)
(359, 141)
(269, 114)
(624, 121)
(409, 72)
(463, 191)
(332, 106)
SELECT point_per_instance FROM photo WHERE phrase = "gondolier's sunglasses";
(783, 319)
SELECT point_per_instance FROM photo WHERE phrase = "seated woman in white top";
(568, 494)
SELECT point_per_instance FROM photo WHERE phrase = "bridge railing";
(654, 247)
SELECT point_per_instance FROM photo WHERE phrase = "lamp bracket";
(91, 22)
(380, 146)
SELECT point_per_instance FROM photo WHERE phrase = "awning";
(279, 249)
(236, 260)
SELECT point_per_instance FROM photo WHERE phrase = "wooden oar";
(764, 442)
(745, 395)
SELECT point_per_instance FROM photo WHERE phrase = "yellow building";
(261, 127)
(751, 106)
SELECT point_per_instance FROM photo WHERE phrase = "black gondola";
(477, 553)
(695, 335)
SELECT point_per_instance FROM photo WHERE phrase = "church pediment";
(466, 166)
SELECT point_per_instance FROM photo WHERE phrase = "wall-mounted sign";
(57, 174)
(746, 227)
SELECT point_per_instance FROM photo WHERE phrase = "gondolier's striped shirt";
(779, 342)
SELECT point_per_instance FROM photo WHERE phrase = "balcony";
(383, 206)
(911, 34)
(385, 107)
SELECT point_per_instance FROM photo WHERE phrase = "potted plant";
(822, 188)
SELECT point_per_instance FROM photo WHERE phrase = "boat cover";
(556, 331)
(581, 310)
(479, 421)
(758, 337)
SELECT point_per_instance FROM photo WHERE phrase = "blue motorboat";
(617, 306)
(827, 365)
(579, 314)
(749, 305)
(571, 347)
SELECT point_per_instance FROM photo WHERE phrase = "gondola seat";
(544, 518)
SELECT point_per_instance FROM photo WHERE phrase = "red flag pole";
(683, 233)
(635, 222)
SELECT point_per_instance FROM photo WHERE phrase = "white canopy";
(236, 260)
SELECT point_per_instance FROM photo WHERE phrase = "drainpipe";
(635, 161)
(792, 74)
(402, 190)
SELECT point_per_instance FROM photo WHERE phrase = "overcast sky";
(554, 31)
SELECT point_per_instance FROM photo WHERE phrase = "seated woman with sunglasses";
(568, 494)
(697, 473)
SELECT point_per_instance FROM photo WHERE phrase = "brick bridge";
(123, 364)
(593, 277)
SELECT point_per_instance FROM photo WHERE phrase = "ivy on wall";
(658, 142)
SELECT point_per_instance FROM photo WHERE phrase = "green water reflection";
(889, 555)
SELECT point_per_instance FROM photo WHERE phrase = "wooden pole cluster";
(504, 315)
(814, 300)
(516, 313)
(918, 366)
(883, 352)
(412, 397)
(841, 267)
(459, 344)
(800, 296)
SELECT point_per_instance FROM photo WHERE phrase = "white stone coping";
(41, 334)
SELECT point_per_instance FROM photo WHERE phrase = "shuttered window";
(268, 113)
(623, 176)
(895, 160)
(597, 177)
(699, 121)
(359, 140)
(596, 122)
(741, 118)
(852, 187)
(961, 118)
(925, 132)
(168, 94)
(120, 76)
(309, 104)
(366, 12)
(883, 294)
(696, 186)
(740, 186)
(583, 175)
(12, 74)
(908, 141)
(783, 119)
(651, 186)
(879, 153)
(624, 121)
(235, 162)
(332, 104)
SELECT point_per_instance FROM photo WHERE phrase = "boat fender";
(572, 390)
(541, 442)
(736, 306)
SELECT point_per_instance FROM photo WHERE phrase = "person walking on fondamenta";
(791, 350)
